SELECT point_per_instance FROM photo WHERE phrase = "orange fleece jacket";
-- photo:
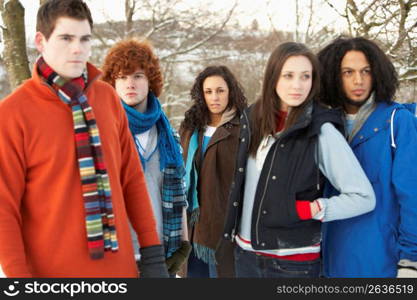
(42, 217)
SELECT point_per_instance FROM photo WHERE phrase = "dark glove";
(152, 262)
(179, 257)
(407, 269)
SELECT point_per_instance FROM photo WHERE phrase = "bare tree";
(14, 53)
(297, 21)
(182, 33)
(130, 10)
(310, 28)
(393, 25)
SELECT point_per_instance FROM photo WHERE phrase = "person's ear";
(40, 41)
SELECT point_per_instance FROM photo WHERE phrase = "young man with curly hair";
(358, 77)
(70, 178)
(133, 69)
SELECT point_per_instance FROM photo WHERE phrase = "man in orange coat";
(69, 179)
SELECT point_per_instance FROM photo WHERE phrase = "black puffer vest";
(289, 173)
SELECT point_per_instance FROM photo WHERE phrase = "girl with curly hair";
(209, 137)
(133, 69)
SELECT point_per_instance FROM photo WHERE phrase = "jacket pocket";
(278, 211)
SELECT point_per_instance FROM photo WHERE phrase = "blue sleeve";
(339, 165)
(404, 180)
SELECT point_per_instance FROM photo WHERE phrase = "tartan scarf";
(173, 201)
(95, 185)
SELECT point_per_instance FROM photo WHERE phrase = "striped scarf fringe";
(205, 254)
(95, 185)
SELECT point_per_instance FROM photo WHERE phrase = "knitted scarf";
(173, 193)
(99, 218)
(169, 152)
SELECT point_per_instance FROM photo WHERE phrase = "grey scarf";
(362, 115)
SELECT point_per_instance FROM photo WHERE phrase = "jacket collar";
(223, 132)
(362, 115)
(378, 120)
(303, 121)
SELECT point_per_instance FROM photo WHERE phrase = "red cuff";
(303, 209)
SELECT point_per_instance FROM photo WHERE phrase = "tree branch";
(205, 40)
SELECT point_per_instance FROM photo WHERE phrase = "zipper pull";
(233, 235)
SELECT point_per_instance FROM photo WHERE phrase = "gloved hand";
(407, 269)
(152, 262)
(175, 261)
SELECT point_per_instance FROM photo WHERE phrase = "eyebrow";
(288, 71)
(73, 35)
(350, 68)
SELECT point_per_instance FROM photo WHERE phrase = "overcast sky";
(282, 12)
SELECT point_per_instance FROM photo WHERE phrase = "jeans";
(251, 265)
(199, 269)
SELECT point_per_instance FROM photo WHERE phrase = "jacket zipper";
(264, 192)
(318, 165)
(302, 124)
(269, 173)
(233, 233)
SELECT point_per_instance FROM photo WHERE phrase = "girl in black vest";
(289, 145)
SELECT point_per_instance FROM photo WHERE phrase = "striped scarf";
(95, 185)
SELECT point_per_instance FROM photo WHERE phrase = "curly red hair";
(126, 56)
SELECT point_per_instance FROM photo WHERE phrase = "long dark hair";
(197, 116)
(384, 76)
(266, 108)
